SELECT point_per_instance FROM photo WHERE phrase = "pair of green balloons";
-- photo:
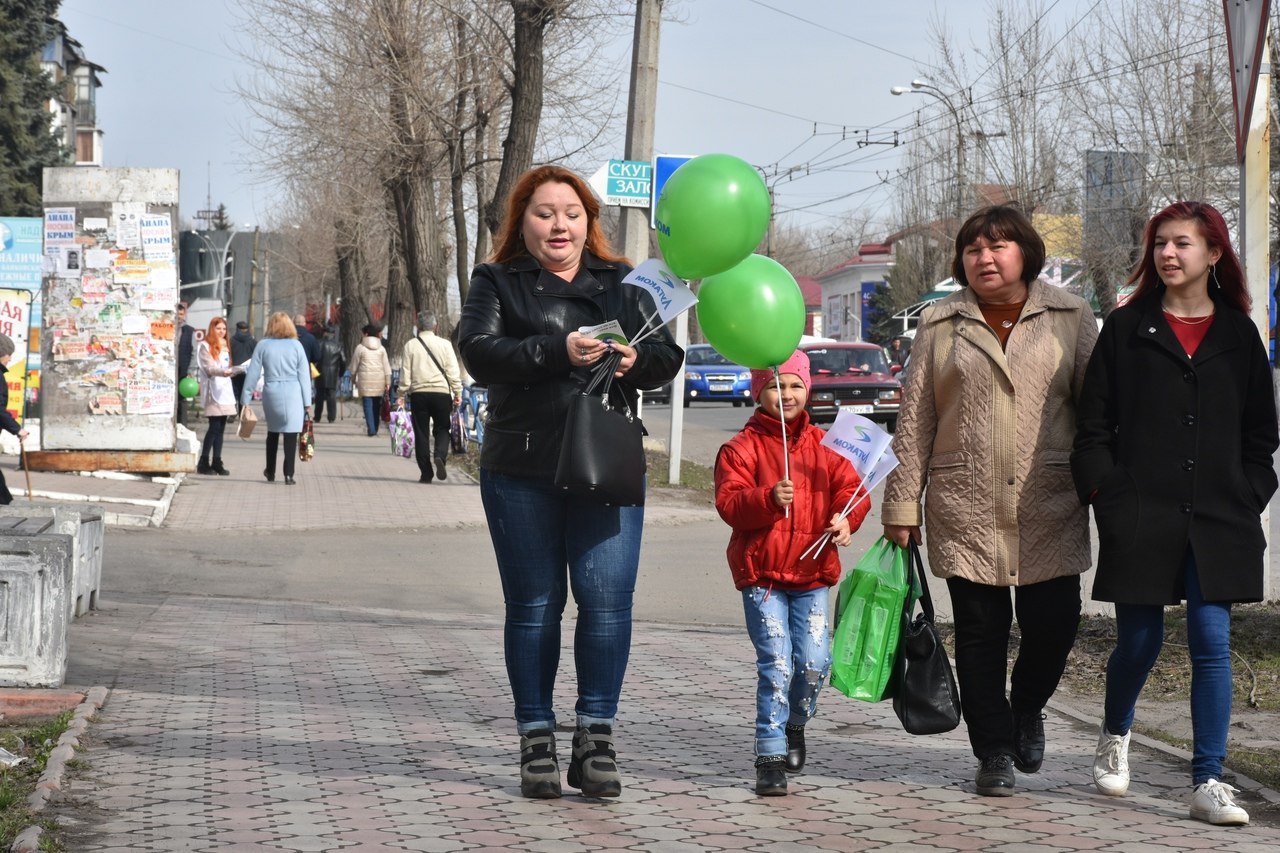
(710, 216)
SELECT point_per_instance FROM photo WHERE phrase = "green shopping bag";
(869, 622)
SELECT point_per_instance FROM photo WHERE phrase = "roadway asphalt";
(319, 668)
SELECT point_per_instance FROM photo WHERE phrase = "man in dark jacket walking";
(309, 343)
(242, 344)
(185, 336)
(332, 364)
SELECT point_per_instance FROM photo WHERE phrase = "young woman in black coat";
(1177, 427)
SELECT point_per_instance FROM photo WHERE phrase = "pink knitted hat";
(797, 364)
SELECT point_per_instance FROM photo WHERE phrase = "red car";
(854, 376)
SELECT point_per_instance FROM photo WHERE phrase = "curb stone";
(28, 841)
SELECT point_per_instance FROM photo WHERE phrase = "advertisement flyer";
(21, 265)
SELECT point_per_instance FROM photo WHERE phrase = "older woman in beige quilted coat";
(986, 429)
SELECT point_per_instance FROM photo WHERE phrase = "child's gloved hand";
(839, 530)
(784, 493)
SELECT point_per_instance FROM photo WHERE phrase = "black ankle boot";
(539, 771)
(218, 469)
(771, 775)
(203, 467)
(795, 748)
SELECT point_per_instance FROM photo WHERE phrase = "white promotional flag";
(887, 463)
(669, 292)
(859, 440)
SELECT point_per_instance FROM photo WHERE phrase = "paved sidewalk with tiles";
(246, 725)
(237, 725)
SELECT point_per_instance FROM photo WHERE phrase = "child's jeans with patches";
(792, 637)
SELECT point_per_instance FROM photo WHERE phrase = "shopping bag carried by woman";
(868, 622)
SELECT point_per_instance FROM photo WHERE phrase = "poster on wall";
(21, 264)
(15, 321)
(111, 294)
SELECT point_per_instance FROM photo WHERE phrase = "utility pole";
(253, 277)
(635, 220)
(640, 118)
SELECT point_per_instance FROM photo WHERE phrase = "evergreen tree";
(27, 143)
(221, 221)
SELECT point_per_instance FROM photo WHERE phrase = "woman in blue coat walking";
(281, 362)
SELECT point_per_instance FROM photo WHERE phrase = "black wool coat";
(1174, 451)
(512, 337)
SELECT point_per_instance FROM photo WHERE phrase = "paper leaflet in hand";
(670, 294)
(866, 445)
(610, 331)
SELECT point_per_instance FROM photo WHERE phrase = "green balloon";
(188, 387)
(712, 212)
(752, 314)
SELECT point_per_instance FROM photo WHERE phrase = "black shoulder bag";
(925, 697)
(602, 452)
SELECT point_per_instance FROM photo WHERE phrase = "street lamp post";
(924, 87)
(226, 282)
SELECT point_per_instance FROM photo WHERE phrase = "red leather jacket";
(766, 544)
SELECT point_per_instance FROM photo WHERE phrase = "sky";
(787, 85)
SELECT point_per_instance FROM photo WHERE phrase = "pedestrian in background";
(242, 344)
(430, 380)
(552, 271)
(776, 515)
(1175, 453)
(310, 345)
(7, 421)
(370, 376)
(217, 395)
(988, 418)
(332, 365)
(280, 361)
(185, 337)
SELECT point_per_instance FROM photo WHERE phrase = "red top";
(1190, 331)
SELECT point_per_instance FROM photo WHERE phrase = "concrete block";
(87, 527)
(36, 590)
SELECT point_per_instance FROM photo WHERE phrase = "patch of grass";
(33, 741)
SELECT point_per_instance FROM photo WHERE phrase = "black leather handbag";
(925, 696)
(602, 453)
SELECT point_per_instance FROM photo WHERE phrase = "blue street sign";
(662, 169)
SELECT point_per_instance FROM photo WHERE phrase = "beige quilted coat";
(988, 434)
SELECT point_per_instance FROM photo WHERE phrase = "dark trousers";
(326, 395)
(429, 413)
(213, 440)
(237, 385)
(1048, 616)
(290, 452)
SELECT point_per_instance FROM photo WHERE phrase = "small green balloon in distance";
(752, 314)
(188, 387)
(712, 212)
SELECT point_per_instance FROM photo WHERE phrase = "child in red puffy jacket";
(775, 518)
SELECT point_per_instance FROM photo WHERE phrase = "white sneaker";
(1211, 802)
(1111, 763)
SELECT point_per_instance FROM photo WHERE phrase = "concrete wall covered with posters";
(110, 288)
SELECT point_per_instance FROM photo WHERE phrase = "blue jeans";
(372, 413)
(1139, 636)
(793, 658)
(546, 543)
